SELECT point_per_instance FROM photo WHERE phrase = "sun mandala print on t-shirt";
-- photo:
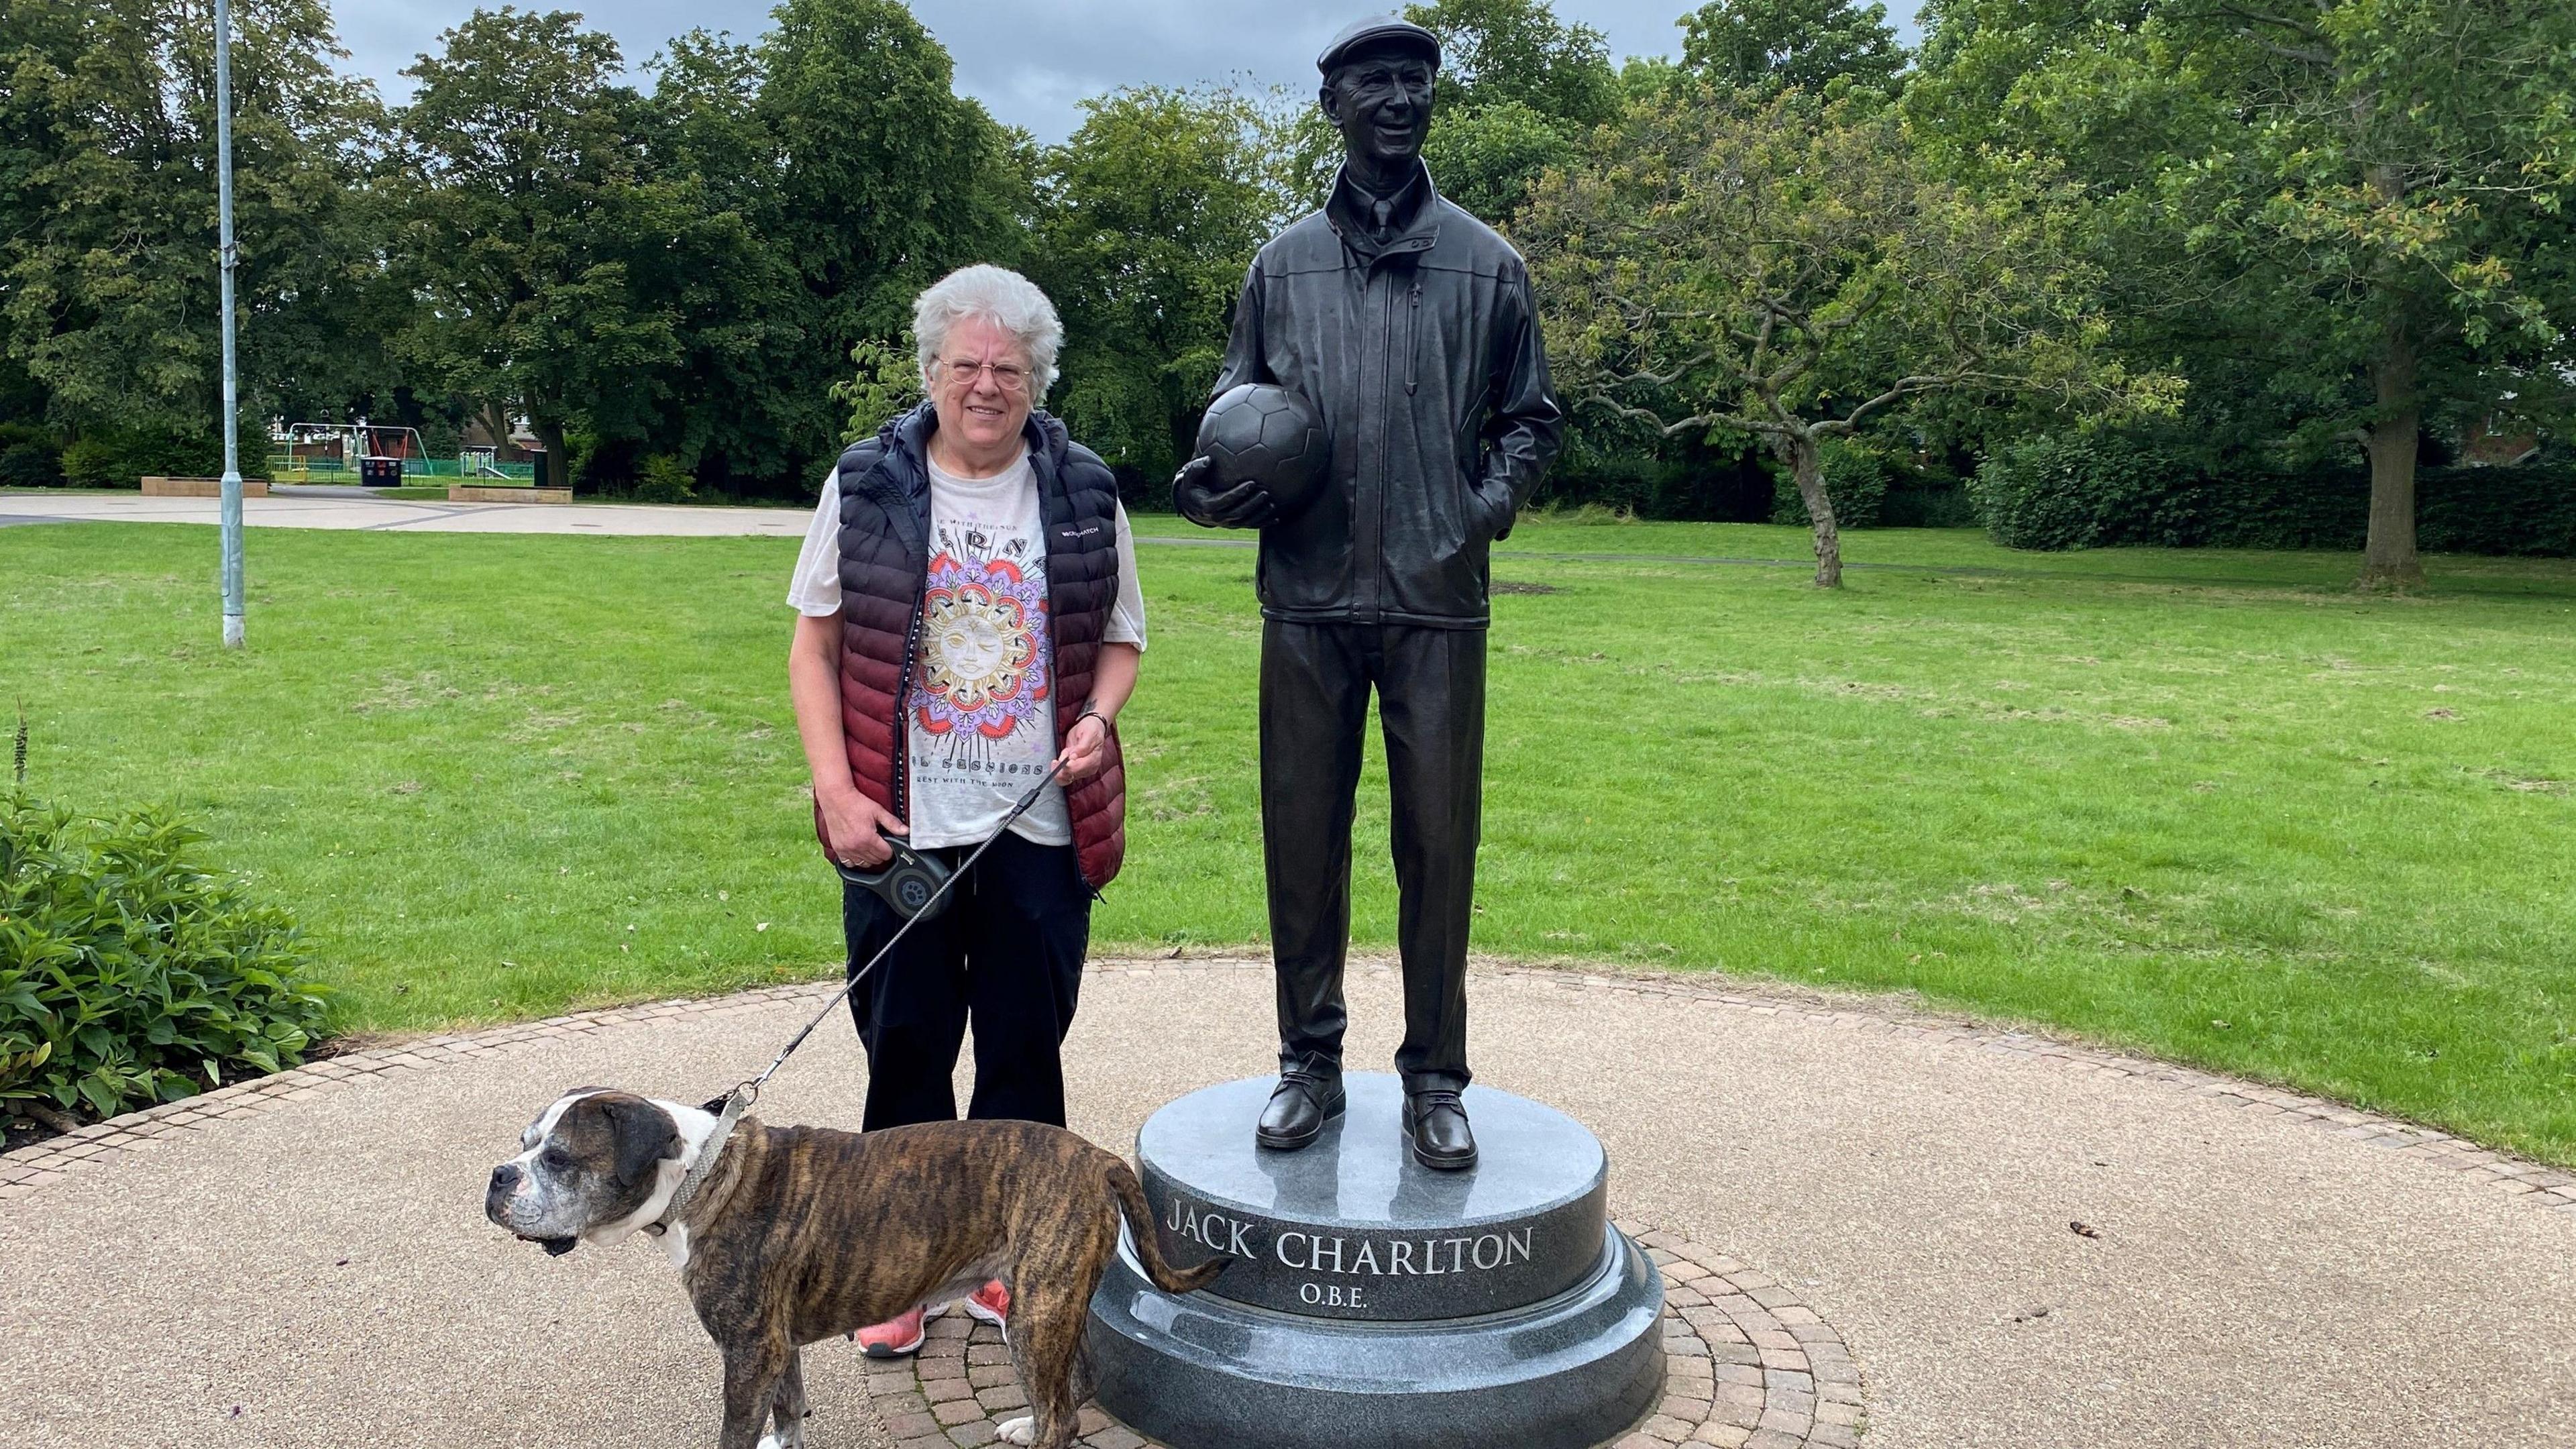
(984, 643)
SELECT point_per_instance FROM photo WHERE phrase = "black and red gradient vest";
(885, 564)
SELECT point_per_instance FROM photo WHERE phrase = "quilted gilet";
(885, 564)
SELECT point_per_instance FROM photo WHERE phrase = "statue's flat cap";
(1377, 30)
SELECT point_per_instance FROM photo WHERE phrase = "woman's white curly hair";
(997, 295)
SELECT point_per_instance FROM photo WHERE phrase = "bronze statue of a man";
(1411, 327)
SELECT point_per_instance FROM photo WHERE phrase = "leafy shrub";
(885, 380)
(130, 975)
(115, 458)
(30, 457)
(1855, 484)
(663, 479)
(2087, 492)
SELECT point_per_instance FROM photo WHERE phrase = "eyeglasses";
(1005, 376)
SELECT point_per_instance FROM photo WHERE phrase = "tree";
(1804, 43)
(108, 272)
(1155, 206)
(1518, 91)
(2360, 203)
(736, 407)
(1785, 266)
(525, 203)
(886, 180)
(1499, 52)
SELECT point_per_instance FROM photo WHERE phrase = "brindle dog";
(803, 1233)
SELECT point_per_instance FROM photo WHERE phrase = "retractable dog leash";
(910, 877)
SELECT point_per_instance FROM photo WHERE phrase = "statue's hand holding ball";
(1262, 457)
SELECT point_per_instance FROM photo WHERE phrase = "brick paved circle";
(1745, 1364)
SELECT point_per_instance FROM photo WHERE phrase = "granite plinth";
(1373, 1303)
(1201, 1372)
(1351, 1227)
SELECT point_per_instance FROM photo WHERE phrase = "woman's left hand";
(1086, 750)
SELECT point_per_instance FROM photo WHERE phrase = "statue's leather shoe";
(1435, 1122)
(1299, 1107)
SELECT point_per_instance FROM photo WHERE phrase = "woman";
(969, 621)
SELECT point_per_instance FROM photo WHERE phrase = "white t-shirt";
(980, 708)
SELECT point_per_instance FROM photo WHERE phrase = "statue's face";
(1380, 100)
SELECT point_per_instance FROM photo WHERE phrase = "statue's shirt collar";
(1370, 222)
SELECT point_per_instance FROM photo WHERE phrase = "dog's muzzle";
(502, 1195)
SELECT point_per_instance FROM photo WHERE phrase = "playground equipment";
(379, 456)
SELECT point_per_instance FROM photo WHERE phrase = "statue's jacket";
(1425, 361)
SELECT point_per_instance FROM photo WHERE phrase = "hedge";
(2108, 490)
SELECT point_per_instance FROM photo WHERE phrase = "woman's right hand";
(856, 828)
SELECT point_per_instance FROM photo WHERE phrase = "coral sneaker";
(893, 1338)
(990, 1303)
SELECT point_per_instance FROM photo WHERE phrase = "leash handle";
(749, 1092)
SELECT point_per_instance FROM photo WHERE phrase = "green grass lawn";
(2210, 805)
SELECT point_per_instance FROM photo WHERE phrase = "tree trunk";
(550, 435)
(1807, 462)
(2388, 559)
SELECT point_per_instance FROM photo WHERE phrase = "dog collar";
(736, 1103)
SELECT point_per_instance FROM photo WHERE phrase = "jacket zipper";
(1386, 386)
(1413, 339)
(911, 658)
(903, 713)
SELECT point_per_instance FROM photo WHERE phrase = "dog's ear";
(642, 1134)
(714, 1106)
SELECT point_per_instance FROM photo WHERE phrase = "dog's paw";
(1022, 1430)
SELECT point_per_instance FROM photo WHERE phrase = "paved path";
(303, 1262)
(333, 509)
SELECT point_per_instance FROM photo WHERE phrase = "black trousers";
(1006, 955)
(1315, 683)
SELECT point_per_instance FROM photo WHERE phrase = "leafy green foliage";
(1856, 483)
(2085, 492)
(2336, 215)
(31, 456)
(1155, 206)
(886, 383)
(525, 202)
(128, 973)
(2112, 489)
(735, 398)
(664, 479)
(1502, 52)
(1809, 44)
(1518, 91)
(1785, 266)
(107, 183)
(886, 179)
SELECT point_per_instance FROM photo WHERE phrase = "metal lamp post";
(232, 504)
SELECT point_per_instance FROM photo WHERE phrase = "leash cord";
(750, 1090)
(739, 1100)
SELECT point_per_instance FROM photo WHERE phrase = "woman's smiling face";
(979, 384)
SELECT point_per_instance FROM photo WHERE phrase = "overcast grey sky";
(1029, 61)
